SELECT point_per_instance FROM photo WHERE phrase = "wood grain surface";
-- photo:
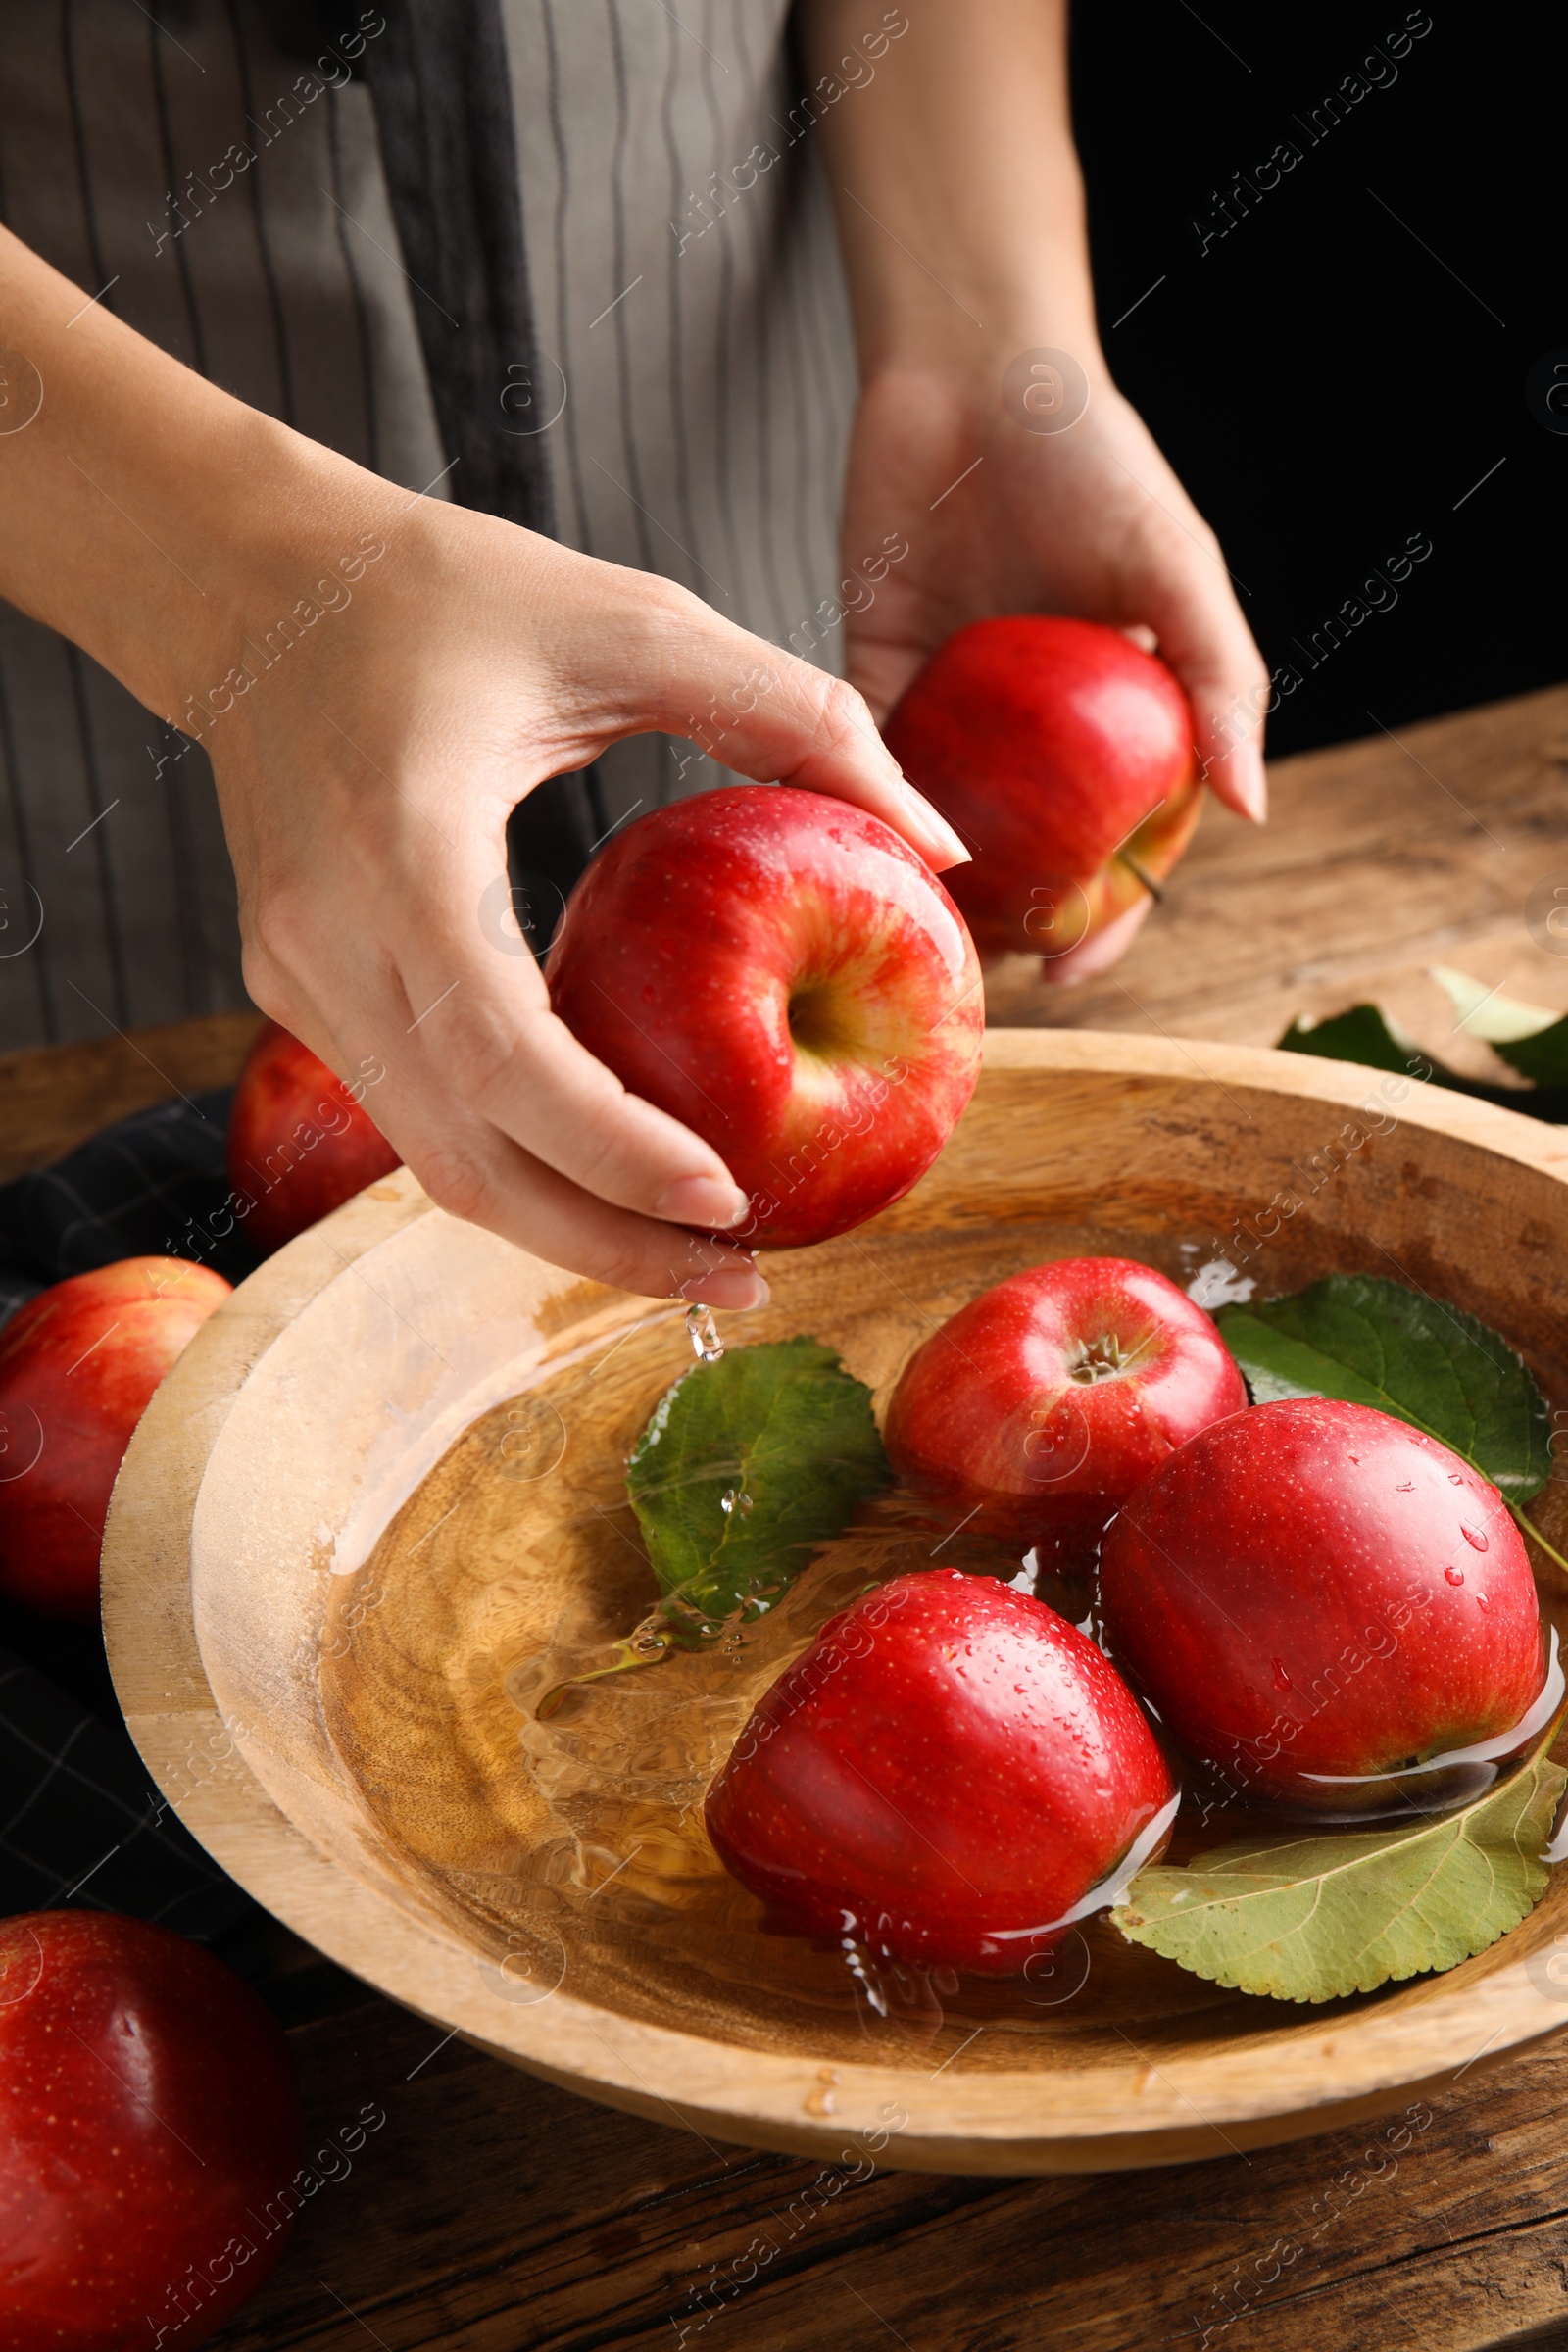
(56, 1096)
(1380, 858)
(494, 2212)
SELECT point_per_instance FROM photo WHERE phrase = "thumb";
(1208, 645)
(769, 715)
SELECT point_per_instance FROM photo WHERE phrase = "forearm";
(959, 200)
(144, 513)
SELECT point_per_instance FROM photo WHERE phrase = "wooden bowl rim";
(1101, 2116)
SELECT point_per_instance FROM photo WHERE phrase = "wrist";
(279, 533)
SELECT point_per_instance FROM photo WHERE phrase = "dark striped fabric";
(692, 322)
(213, 172)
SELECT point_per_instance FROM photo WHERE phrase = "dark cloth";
(439, 81)
(146, 1187)
(80, 1821)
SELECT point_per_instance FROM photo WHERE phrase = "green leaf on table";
(1369, 1341)
(1365, 1036)
(749, 1466)
(1361, 1035)
(1320, 1917)
(1531, 1038)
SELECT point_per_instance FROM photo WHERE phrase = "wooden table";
(492, 2213)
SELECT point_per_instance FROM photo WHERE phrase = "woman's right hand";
(379, 679)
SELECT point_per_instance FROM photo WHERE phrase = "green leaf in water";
(1372, 1341)
(749, 1466)
(1317, 1918)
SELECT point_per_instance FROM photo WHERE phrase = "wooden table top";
(493, 2213)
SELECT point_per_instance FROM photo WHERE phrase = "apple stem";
(1149, 884)
(1535, 1531)
(632, 1654)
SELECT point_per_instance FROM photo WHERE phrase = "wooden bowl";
(379, 1506)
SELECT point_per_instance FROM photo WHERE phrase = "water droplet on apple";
(1282, 1680)
(1475, 1537)
(1455, 1576)
(703, 1333)
(1455, 1479)
(1406, 1485)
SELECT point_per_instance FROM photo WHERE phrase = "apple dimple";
(807, 997)
(1045, 1400)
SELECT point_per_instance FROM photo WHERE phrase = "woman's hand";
(1088, 520)
(365, 786)
(960, 211)
(379, 679)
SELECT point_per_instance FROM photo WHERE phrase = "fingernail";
(941, 847)
(737, 1287)
(711, 1201)
(1248, 782)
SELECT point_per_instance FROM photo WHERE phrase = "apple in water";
(1314, 1596)
(300, 1142)
(149, 2136)
(1037, 1408)
(1063, 755)
(78, 1366)
(783, 974)
(944, 1774)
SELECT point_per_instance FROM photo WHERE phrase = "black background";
(1321, 383)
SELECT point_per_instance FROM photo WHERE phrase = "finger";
(767, 715)
(1208, 645)
(484, 1022)
(467, 1028)
(474, 1172)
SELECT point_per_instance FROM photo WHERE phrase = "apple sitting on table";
(78, 1366)
(1063, 755)
(1318, 1598)
(1037, 1408)
(783, 974)
(944, 1776)
(299, 1143)
(149, 2136)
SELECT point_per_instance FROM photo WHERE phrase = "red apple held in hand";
(149, 2136)
(1314, 1597)
(1037, 1408)
(780, 971)
(78, 1366)
(299, 1143)
(1063, 755)
(945, 1775)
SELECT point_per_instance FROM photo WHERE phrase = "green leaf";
(748, 1466)
(1364, 1035)
(1531, 1038)
(1360, 1035)
(1374, 1341)
(1321, 1917)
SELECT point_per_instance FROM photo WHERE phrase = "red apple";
(1063, 755)
(780, 971)
(77, 1368)
(149, 2136)
(1315, 1596)
(299, 1143)
(945, 1775)
(1038, 1407)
